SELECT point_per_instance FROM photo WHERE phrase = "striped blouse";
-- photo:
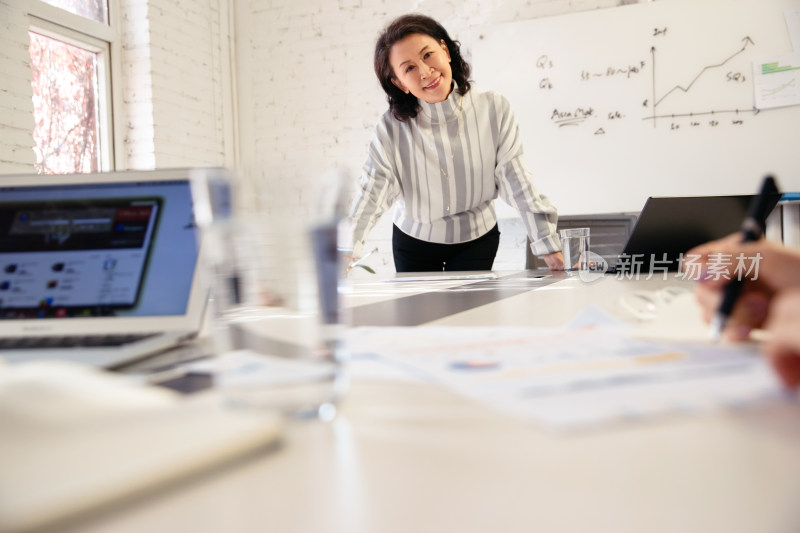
(443, 169)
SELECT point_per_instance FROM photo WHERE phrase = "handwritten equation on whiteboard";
(674, 94)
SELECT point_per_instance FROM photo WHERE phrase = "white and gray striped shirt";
(443, 169)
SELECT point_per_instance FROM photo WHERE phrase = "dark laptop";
(670, 226)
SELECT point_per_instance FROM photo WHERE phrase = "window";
(71, 79)
(65, 102)
(96, 10)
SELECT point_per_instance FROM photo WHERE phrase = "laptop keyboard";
(71, 341)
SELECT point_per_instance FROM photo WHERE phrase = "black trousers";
(414, 255)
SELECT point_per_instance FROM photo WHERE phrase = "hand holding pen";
(770, 266)
(770, 302)
(768, 299)
(753, 229)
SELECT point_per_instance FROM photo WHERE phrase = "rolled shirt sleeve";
(515, 184)
(376, 190)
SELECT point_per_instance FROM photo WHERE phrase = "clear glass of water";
(276, 329)
(575, 248)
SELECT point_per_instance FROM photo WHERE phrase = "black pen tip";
(769, 186)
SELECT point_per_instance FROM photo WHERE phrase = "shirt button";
(448, 208)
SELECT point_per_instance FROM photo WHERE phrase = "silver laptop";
(98, 268)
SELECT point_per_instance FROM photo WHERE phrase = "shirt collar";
(442, 111)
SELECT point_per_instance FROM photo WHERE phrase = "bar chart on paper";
(572, 378)
(777, 81)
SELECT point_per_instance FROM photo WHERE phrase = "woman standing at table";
(441, 154)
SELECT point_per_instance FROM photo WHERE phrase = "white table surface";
(409, 457)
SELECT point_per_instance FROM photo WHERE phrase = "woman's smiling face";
(421, 66)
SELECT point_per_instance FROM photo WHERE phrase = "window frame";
(102, 39)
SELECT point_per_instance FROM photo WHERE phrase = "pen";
(752, 230)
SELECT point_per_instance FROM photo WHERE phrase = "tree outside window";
(70, 44)
(65, 103)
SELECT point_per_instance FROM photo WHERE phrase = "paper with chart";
(777, 81)
(566, 379)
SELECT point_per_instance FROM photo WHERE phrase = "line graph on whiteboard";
(694, 116)
(673, 92)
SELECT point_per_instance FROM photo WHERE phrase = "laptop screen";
(668, 227)
(96, 249)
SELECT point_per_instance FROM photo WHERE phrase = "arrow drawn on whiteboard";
(755, 111)
(746, 41)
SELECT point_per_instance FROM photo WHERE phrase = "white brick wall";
(137, 92)
(173, 83)
(16, 107)
(173, 74)
(309, 98)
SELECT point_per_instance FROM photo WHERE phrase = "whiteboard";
(653, 99)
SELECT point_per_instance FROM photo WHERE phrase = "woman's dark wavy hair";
(405, 106)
